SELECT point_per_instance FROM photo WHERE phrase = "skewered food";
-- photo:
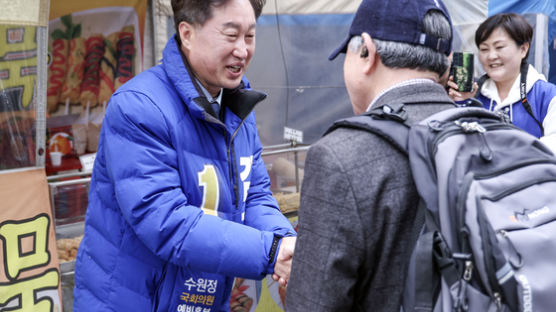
(90, 83)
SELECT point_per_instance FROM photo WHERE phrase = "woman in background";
(503, 41)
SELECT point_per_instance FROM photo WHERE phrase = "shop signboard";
(18, 80)
(22, 29)
(29, 267)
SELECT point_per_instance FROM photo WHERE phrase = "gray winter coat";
(358, 203)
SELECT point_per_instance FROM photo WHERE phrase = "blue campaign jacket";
(148, 246)
(540, 94)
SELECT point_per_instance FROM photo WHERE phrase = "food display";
(67, 248)
(91, 54)
(88, 60)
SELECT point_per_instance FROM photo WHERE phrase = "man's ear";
(368, 51)
(186, 32)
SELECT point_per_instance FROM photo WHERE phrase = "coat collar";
(430, 97)
(418, 93)
(489, 89)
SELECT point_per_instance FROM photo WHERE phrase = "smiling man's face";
(220, 51)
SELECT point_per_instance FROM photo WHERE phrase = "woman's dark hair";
(514, 24)
(197, 12)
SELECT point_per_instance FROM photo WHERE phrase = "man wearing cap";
(358, 200)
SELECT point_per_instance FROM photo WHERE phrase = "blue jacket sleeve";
(143, 166)
(262, 211)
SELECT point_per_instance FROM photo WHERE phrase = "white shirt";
(217, 100)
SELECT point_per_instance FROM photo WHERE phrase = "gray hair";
(355, 43)
(405, 55)
(197, 12)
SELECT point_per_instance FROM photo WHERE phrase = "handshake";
(283, 264)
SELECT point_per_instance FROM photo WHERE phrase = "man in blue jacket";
(180, 202)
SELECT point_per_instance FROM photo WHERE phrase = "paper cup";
(56, 158)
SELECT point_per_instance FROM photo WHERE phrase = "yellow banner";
(29, 270)
(18, 64)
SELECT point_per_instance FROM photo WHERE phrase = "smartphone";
(462, 70)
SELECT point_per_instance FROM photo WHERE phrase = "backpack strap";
(388, 121)
(426, 283)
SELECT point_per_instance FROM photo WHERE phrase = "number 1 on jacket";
(208, 180)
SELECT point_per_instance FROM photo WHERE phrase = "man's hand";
(283, 264)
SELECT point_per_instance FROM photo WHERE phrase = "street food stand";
(30, 274)
(58, 70)
(60, 60)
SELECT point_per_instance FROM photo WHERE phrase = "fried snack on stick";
(125, 48)
(56, 73)
(107, 69)
(76, 61)
(94, 47)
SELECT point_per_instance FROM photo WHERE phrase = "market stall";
(30, 273)
(93, 49)
(101, 38)
(63, 60)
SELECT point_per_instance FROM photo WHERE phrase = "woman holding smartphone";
(511, 86)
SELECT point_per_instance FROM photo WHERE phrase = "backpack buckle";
(470, 126)
(393, 111)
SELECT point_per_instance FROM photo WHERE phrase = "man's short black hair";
(197, 12)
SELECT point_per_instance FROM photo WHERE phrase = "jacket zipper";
(160, 282)
(234, 163)
(230, 156)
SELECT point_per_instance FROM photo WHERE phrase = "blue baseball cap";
(396, 20)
